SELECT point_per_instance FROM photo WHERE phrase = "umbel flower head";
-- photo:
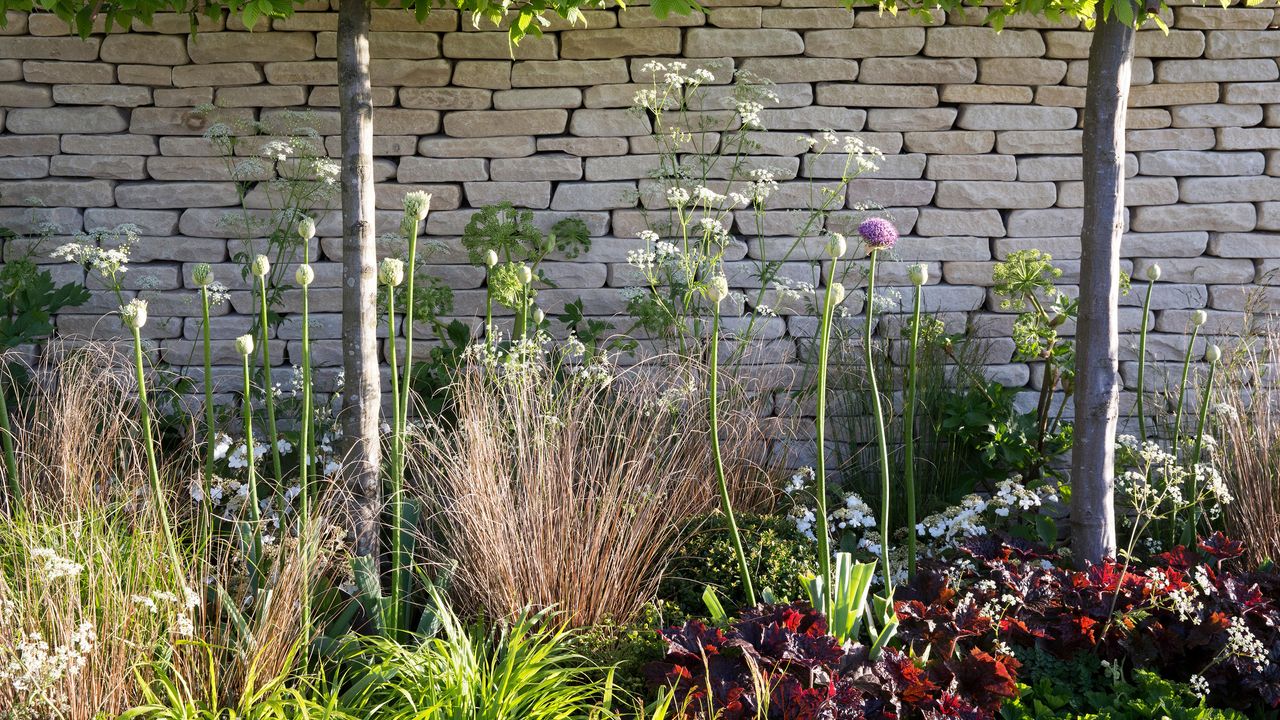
(391, 272)
(305, 275)
(202, 275)
(134, 314)
(306, 228)
(244, 345)
(260, 266)
(878, 234)
(417, 204)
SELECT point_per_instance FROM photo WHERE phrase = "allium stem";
(909, 432)
(1199, 447)
(210, 428)
(268, 389)
(153, 470)
(713, 393)
(252, 470)
(820, 471)
(1142, 364)
(882, 440)
(1182, 394)
(398, 561)
(305, 458)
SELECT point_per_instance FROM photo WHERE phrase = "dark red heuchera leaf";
(1219, 547)
(1179, 558)
(986, 680)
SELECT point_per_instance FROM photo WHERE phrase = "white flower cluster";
(53, 566)
(974, 513)
(35, 669)
(104, 261)
(1242, 643)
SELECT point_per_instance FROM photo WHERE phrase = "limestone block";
(386, 44)
(956, 142)
(55, 120)
(1229, 189)
(22, 95)
(985, 194)
(1147, 119)
(70, 193)
(64, 220)
(1051, 222)
(217, 75)
(54, 71)
(584, 147)
(864, 43)
(911, 120)
(152, 195)
(814, 118)
(644, 70)
(109, 144)
(144, 49)
(1198, 270)
(1030, 142)
(11, 70)
(880, 96)
(497, 46)
(492, 147)
(608, 123)
(1269, 216)
(494, 123)
(1058, 96)
(564, 73)
(1137, 191)
(418, 170)
(183, 121)
(969, 42)
(1020, 71)
(986, 94)
(327, 96)
(106, 167)
(218, 47)
(807, 18)
(1244, 93)
(1217, 18)
(1173, 94)
(410, 73)
(1178, 43)
(538, 167)
(152, 75)
(50, 48)
(619, 43)
(22, 145)
(396, 121)
(972, 167)
(1170, 139)
(149, 222)
(259, 96)
(714, 43)
(23, 168)
(446, 98)
(887, 193)
(1190, 162)
(631, 167)
(1214, 71)
(1245, 245)
(488, 74)
(520, 194)
(439, 20)
(1229, 138)
(1213, 217)
(1012, 117)
(918, 71)
(1243, 44)
(160, 167)
(1164, 245)
(116, 95)
(973, 223)
(297, 73)
(641, 17)
(388, 196)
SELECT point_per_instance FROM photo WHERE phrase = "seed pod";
(919, 274)
(305, 275)
(538, 316)
(490, 258)
(1153, 272)
(244, 345)
(837, 246)
(717, 289)
(134, 314)
(202, 275)
(526, 275)
(391, 272)
(260, 266)
(837, 294)
(306, 228)
(1212, 354)
(417, 204)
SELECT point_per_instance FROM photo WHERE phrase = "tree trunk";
(1097, 339)
(361, 394)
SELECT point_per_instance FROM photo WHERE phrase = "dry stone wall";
(981, 135)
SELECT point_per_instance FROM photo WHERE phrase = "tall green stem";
(882, 440)
(909, 432)
(255, 512)
(1199, 446)
(268, 389)
(713, 393)
(1182, 393)
(1142, 364)
(820, 471)
(408, 334)
(398, 561)
(6, 438)
(304, 465)
(153, 470)
(210, 429)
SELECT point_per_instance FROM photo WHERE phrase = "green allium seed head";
(717, 289)
(491, 258)
(417, 204)
(391, 272)
(538, 316)
(837, 246)
(1153, 272)
(134, 314)
(526, 275)
(305, 275)
(306, 228)
(1213, 354)
(260, 266)
(837, 294)
(202, 275)
(919, 274)
(244, 345)
(1199, 318)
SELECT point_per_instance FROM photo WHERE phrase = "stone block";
(911, 120)
(564, 73)
(56, 120)
(1218, 18)
(1205, 270)
(109, 144)
(114, 95)
(1243, 44)
(327, 96)
(491, 147)
(217, 75)
(1170, 95)
(864, 43)
(397, 121)
(497, 46)
(1245, 93)
(55, 193)
(1245, 245)
(971, 223)
(1052, 222)
(1216, 71)
(1178, 43)
(619, 43)
(1189, 162)
(1030, 142)
(487, 74)
(1012, 117)
(106, 167)
(736, 18)
(54, 71)
(140, 49)
(971, 42)
(807, 18)
(149, 222)
(886, 193)
(520, 194)
(918, 71)
(299, 73)
(594, 196)
(1164, 245)
(1020, 71)
(985, 194)
(644, 70)
(263, 97)
(183, 121)
(972, 167)
(956, 142)
(386, 44)
(714, 43)
(152, 195)
(152, 75)
(1229, 138)
(1259, 188)
(631, 167)
(986, 94)
(50, 48)
(410, 73)
(23, 95)
(814, 118)
(539, 167)
(494, 123)
(585, 147)
(23, 168)
(220, 47)
(608, 123)
(798, 69)
(1215, 217)
(1137, 191)
(420, 170)
(25, 145)
(876, 96)
(1170, 139)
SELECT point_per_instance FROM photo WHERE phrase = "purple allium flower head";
(879, 234)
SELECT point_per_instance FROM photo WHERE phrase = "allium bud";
(202, 275)
(490, 258)
(837, 246)
(1199, 318)
(306, 228)
(538, 316)
(134, 314)
(717, 289)
(417, 204)
(1213, 354)
(919, 274)
(244, 345)
(837, 294)
(526, 275)
(305, 275)
(1153, 272)
(260, 266)
(391, 272)
(878, 234)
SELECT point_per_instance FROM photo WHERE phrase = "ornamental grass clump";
(570, 488)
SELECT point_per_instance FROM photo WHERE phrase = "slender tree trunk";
(361, 395)
(1097, 339)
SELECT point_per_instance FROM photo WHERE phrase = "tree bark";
(1097, 338)
(361, 394)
